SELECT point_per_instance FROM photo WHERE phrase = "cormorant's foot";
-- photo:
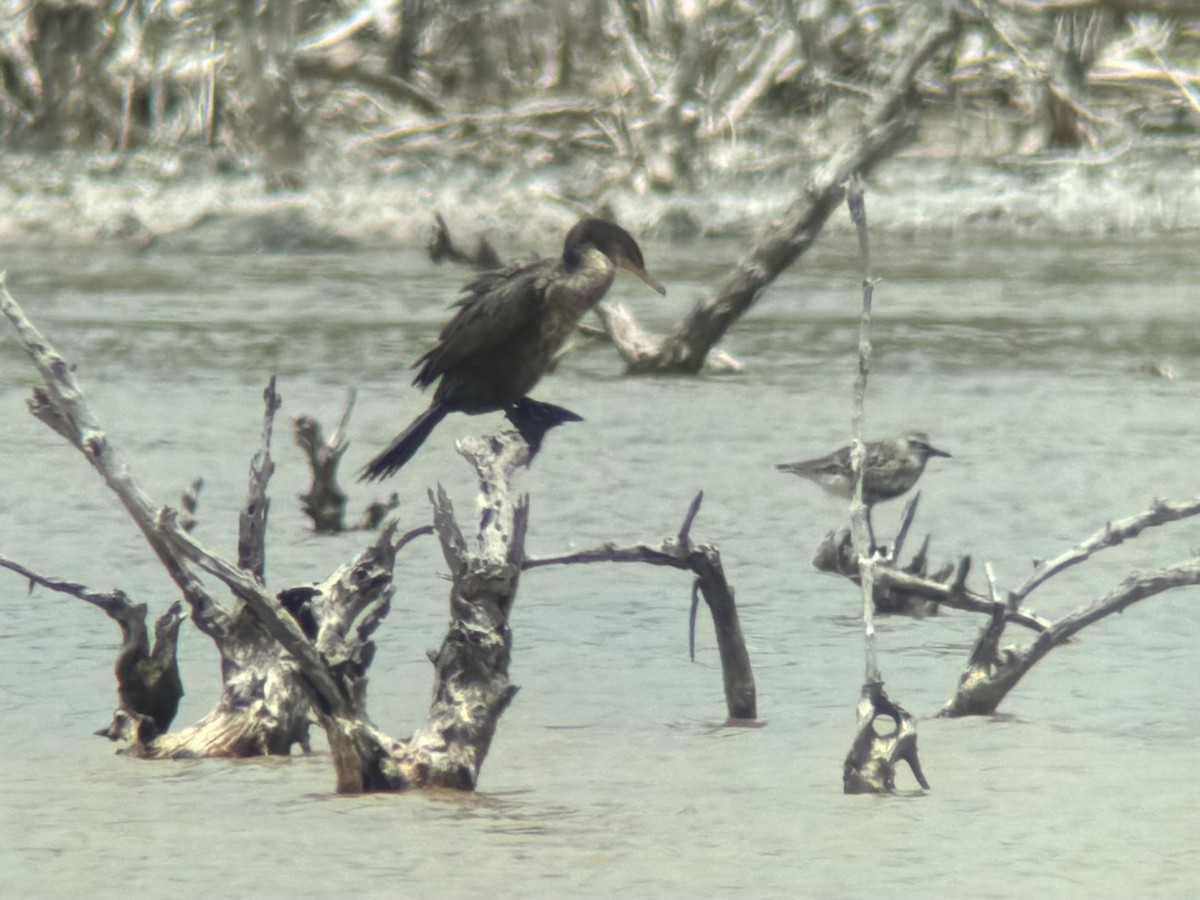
(533, 419)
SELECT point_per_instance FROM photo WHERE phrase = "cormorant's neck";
(572, 258)
(585, 275)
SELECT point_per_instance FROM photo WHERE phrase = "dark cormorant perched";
(509, 326)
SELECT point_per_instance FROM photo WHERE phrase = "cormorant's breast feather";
(494, 307)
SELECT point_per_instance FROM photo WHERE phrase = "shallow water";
(610, 774)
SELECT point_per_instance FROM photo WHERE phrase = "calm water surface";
(610, 775)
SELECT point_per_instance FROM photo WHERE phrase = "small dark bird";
(508, 328)
(891, 468)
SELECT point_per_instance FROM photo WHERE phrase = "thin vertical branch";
(863, 540)
(252, 521)
(870, 766)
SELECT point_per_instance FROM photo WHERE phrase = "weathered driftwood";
(870, 766)
(325, 502)
(692, 75)
(911, 590)
(472, 688)
(328, 626)
(888, 124)
(1111, 535)
(252, 520)
(148, 684)
(992, 672)
(59, 403)
(704, 561)
(263, 708)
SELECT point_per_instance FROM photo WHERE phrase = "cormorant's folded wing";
(494, 307)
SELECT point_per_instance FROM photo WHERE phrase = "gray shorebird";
(891, 468)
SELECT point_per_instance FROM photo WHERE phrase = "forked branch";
(704, 562)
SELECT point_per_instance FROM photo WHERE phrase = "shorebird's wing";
(493, 307)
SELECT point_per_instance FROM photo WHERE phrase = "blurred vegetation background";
(660, 90)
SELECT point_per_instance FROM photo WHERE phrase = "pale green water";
(608, 776)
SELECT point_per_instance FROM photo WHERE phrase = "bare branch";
(148, 685)
(704, 561)
(325, 502)
(1112, 534)
(887, 125)
(860, 523)
(992, 673)
(337, 440)
(686, 528)
(329, 695)
(252, 521)
(59, 402)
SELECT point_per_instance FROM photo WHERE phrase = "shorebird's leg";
(870, 534)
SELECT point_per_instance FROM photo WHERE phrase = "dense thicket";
(665, 87)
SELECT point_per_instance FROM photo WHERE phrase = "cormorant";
(510, 324)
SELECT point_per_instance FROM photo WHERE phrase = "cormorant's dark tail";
(406, 444)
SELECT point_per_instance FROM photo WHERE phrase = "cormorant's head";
(613, 241)
(918, 442)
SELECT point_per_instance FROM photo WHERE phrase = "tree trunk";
(889, 124)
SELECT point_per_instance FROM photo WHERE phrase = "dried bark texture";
(889, 123)
(262, 711)
(327, 629)
(472, 689)
(992, 672)
(704, 561)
